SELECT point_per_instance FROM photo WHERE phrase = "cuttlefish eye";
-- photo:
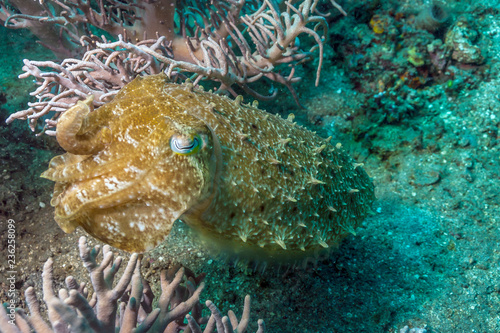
(186, 144)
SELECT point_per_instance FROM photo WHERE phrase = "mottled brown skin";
(259, 186)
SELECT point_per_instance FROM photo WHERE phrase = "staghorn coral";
(229, 42)
(127, 307)
(251, 183)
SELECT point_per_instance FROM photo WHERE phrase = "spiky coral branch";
(230, 42)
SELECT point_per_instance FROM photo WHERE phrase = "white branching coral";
(125, 307)
(231, 42)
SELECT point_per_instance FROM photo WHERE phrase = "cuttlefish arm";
(69, 130)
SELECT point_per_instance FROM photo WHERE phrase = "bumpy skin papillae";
(284, 192)
(260, 184)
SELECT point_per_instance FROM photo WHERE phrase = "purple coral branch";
(70, 311)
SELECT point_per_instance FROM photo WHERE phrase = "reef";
(417, 105)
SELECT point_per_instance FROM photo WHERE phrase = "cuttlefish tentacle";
(71, 122)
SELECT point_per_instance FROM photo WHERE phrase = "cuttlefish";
(245, 180)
